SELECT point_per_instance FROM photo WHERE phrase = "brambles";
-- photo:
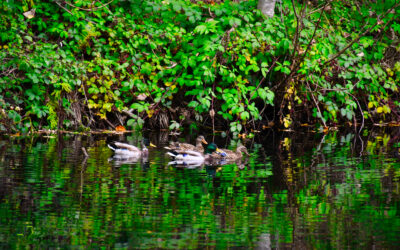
(131, 62)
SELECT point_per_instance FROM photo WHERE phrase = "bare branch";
(71, 12)
(316, 104)
(91, 9)
(361, 35)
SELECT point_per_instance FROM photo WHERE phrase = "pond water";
(296, 190)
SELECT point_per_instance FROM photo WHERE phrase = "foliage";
(84, 64)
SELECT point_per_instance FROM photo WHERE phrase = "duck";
(187, 146)
(191, 156)
(127, 150)
(230, 155)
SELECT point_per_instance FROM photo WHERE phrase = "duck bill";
(204, 141)
(152, 145)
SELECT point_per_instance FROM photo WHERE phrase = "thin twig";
(262, 80)
(295, 67)
(71, 12)
(316, 104)
(84, 152)
(91, 9)
(361, 111)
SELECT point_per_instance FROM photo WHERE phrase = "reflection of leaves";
(263, 173)
(155, 200)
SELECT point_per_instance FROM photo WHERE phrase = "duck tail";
(113, 149)
(172, 153)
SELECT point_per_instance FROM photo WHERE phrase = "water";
(297, 190)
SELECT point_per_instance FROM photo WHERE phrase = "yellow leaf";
(370, 105)
(150, 112)
(386, 109)
(286, 123)
(286, 142)
(379, 110)
(168, 84)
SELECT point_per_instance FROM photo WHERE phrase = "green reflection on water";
(322, 193)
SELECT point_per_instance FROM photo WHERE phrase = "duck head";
(211, 148)
(201, 139)
(146, 143)
(242, 149)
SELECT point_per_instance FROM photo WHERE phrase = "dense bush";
(169, 63)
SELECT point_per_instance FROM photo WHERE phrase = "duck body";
(124, 149)
(198, 147)
(187, 155)
(231, 155)
(192, 157)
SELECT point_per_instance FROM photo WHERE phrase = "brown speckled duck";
(231, 155)
(198, 147)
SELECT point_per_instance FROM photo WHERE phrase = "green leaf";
(245, 115)
(29, 38)
(146, 68)
(201, 29)
(262, 93)
(139, 107)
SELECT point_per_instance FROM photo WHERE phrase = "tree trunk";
(267, 7)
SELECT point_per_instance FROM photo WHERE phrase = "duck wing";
(180, 146)
(127, 147)
(190, 153)
(185, 146)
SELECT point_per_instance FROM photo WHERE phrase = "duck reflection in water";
(212, 158)
(193, 159)
(125, 153)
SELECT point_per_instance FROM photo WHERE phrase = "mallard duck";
(187, 146)
(194, 156)
(230, 155)
(125, 149)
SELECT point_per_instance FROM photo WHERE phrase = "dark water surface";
(296, 190)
